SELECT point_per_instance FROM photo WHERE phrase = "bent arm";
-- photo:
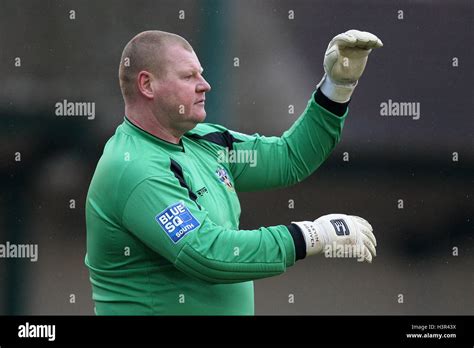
(162, 215)
(286, 160)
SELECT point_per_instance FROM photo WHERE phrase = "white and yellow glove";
(344, 63)
(335, 230)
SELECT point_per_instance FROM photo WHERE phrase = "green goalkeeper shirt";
(162, 219)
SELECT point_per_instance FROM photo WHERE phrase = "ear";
(145, 85)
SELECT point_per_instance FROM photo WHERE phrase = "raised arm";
(285, 160)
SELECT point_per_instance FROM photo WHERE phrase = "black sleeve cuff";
(338, 109)
(298, 240)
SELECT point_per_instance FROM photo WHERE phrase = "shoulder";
(132, 159)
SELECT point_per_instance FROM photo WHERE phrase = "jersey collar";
(133, 129)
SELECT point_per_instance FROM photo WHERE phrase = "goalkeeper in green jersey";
(162, 211)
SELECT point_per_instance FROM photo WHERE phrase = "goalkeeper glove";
(344, 63)
(339, 230)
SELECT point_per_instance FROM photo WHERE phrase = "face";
(180, 94)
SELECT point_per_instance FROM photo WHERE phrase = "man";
(162, 211)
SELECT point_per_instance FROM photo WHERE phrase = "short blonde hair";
(145, 52)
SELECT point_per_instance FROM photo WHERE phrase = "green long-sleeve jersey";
(162, 219)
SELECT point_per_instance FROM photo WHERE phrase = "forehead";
(178, 58)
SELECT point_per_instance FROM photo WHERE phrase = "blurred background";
(71, 50)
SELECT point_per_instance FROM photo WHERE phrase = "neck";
(144, 118)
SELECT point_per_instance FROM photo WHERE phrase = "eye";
(187, 78)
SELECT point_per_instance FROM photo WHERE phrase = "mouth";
(200, 102)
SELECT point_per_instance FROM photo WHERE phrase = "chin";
(200, 117)
(194, 120)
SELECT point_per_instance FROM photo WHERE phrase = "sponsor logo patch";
(177, 221)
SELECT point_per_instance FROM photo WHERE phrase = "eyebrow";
(201, 70)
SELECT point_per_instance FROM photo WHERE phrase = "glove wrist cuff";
(312, 238)
(339, 93)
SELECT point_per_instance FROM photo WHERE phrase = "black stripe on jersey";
(178, 173)
(224, 139)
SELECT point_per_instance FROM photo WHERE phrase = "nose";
(203, 86)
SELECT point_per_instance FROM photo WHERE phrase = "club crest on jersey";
(177, 221)
(224, 178)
